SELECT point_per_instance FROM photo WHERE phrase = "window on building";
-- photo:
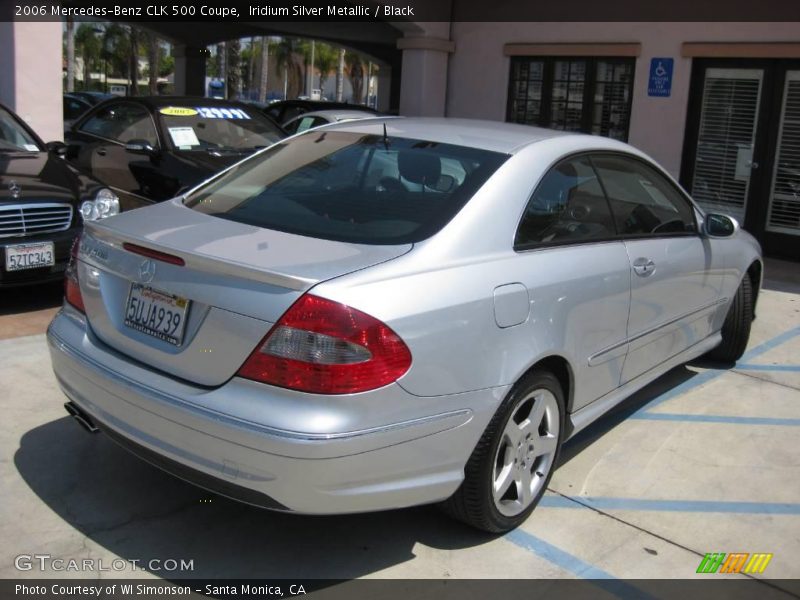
(592, 95)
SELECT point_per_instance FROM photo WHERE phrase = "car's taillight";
(324, 347)
(72, 288)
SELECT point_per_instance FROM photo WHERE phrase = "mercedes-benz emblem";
(147, 270)
(15, 189)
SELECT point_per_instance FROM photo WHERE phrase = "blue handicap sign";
(660, 77)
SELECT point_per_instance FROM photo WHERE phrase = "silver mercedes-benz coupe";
(392, 312)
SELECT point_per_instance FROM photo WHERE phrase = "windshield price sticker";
(212, 112)
(183, 137)
(178, 111)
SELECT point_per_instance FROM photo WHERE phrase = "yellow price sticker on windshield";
(178, 111)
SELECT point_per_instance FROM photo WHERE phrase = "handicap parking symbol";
(660, 83)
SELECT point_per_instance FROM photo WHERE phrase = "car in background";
(43, 203)
(285, 110)
(298, 335)
(92, 97)
(74, 107)
(318, 118)
(148, 149)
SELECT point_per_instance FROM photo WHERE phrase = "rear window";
(351, 187)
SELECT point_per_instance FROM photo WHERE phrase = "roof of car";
(338, 114)
(488, 135)
(321, 104)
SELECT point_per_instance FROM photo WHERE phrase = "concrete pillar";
(190, 70)
(31, 77)
(423, 90)
(384, 87)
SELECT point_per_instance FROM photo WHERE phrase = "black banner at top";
(398, 10)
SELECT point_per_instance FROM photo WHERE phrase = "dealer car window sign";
(660, 77)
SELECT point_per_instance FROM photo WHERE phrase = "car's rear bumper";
(171, 424)
(62, 243)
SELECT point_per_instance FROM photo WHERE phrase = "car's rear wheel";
(511, 466)
(736, 329)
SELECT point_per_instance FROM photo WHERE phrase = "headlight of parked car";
(105, 204)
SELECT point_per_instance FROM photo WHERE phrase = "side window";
(122, 123)
(74, 108)
(291, 126)
(567, 206)
(642, 200)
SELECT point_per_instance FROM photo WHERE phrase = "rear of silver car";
(184, 407)
(170, 315)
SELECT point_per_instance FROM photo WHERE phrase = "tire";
(736, 329)
(533, 410)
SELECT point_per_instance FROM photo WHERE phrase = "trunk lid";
(238, 280)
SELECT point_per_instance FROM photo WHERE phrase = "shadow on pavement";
(629, 406)
(138, 512)
(781, 276)
(31, 298)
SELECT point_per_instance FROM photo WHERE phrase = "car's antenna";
(385, 136)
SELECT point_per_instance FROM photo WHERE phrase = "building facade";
(718, 104)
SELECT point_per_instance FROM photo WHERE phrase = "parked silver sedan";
(386, 313)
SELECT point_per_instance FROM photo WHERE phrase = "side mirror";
(140, 147)
(719, 226)
(57, 148)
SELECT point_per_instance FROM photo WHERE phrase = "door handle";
(644, 267)
(101, 152)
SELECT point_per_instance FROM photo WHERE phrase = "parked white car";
(317, 118)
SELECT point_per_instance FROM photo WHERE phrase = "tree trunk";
(133, 59)
(234, 69)
(356, 80)
(222, 53)
(262, 84)
(251, 69)
(340, 76)
(153, 56)
(70, 55)
(87, 71)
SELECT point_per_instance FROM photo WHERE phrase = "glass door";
(726, 137)
(783, 216)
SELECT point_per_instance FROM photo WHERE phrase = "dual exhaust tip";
(81, 417)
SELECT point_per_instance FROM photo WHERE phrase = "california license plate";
(30, 256)
(156, 313)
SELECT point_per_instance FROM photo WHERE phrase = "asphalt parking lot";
(704, 460)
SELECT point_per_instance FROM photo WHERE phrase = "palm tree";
(133, 60)
(89, 46)
(355, 73)
(234, 69)
(285, 58)
(153, 56)
(326, 59)
(70, 55)
(303, 49)
(262, 84)
(340, 76)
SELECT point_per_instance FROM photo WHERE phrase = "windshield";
(350, 187)
(218, 128)
(13, 137)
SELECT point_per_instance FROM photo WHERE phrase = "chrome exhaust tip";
(81, 417)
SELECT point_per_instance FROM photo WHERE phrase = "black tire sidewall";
(533, 381)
